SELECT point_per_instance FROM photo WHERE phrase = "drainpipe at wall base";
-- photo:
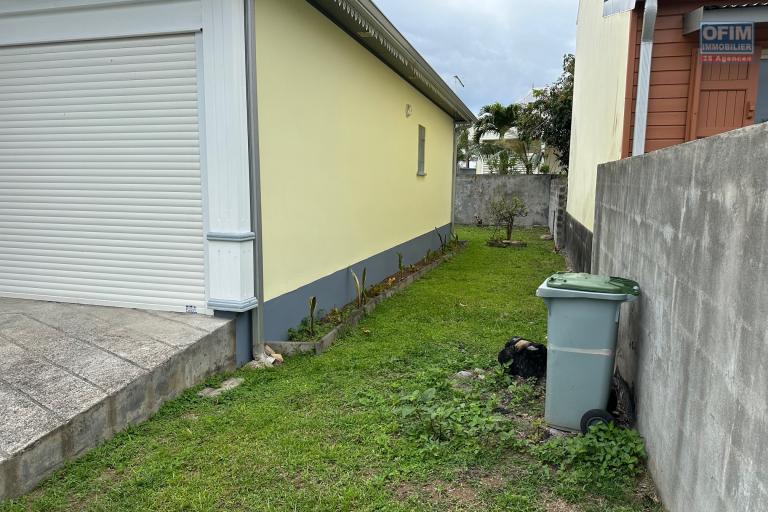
(257, 314)
(644, 77)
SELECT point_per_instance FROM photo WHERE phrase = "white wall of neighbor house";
(602, 46)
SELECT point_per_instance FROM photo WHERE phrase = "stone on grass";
(206, 392)
(262, 361)
(477, 373)
(556, 432)
(227, 385)
(547, 237)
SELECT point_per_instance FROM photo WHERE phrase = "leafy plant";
(442, 417)
(362, 284)
(358, 289)
(443, 240)
(302, 332)
(312, 306)
(606, 453)
(400, 262)
(505, 211)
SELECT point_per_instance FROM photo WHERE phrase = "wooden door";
(724, 96)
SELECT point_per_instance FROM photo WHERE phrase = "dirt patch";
(460, 495)
(493, 481)
(554, 504)
(646, 492)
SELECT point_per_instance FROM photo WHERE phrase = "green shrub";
(505, 211)
(606, 453)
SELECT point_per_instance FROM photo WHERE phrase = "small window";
(422, 142)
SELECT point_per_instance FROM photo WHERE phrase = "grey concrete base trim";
(235, 306)
(132, 404)
(288, 348)
(338, 289)
(231, 237)
(578, 244)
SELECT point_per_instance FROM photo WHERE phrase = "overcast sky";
(499, 48)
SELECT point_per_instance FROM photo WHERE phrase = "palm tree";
(466, 148)
(498, 119)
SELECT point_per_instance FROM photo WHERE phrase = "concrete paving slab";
(97, 366)
(73, 375)
(59, 391)
(173, 330)
(197, 321)
(22, 419)
(138, 348)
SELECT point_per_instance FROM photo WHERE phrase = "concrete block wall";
(558, 196)
(690, 224)
(475, 193)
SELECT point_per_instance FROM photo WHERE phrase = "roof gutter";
(644, 76)
(362, 20)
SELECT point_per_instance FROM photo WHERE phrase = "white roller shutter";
(100, 188)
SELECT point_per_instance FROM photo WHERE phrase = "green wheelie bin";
(582, 325)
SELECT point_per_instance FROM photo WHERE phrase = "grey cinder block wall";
(558, 196)
(474, 194)
(690, 224)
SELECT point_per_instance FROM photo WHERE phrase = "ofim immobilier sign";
(727, 38)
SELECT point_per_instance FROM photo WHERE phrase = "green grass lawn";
(323, 433)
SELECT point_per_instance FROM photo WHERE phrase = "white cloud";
(499, 48)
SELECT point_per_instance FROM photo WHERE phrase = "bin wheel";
(594, 417)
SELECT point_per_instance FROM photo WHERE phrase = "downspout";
(644, 76)
(455, 171)
(257, 314)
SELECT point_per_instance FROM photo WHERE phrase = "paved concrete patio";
(72, 375)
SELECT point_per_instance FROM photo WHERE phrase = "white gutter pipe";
(644, 76)
(257, 314)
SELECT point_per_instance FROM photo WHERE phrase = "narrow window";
(422, 141)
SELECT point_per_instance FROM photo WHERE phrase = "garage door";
(100, 188)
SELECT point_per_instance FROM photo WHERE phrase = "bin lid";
(564, 284)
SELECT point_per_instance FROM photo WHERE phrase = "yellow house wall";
(338, 155)
(602, 46)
